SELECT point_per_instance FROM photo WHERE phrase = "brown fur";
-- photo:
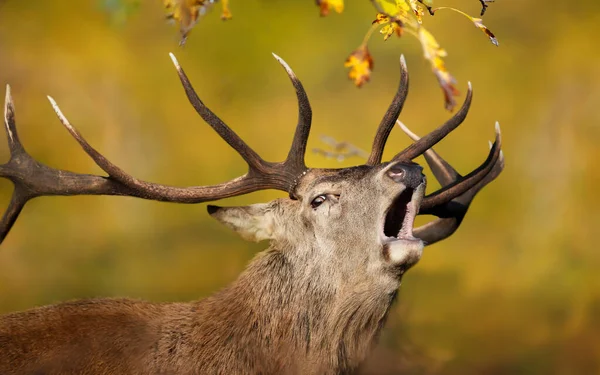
(313, 303)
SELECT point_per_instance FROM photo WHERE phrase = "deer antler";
(433, 202)
(452, 212)
(390, 117)
(33, 179)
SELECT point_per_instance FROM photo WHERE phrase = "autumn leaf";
(478, 22)
(390, 27)
(188, 12)
(360, 63)
(406, 16)
(393, 28)
(225, 13)
(400, 15)
(434, 54)
(327, 5)
(407, 12)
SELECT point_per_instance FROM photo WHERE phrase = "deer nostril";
(410, 175)
(396, 174)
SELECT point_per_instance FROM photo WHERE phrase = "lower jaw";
(401, 240)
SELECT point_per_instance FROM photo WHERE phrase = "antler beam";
(428, 141)
(451, 213)
(390, 117)
(33, 179)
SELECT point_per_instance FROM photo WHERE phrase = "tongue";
(407, 223)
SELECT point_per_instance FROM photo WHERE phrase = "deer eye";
(318, 200)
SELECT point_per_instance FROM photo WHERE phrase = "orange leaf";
(188, 12)
(327, 5)
(393, 28)
(225, 13)
(434, 53)
(392, 25)
(360, 63)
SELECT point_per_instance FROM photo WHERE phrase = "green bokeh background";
(515, 291)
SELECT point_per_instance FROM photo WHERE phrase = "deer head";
(343, 217)
(327, 200)
(339, 243)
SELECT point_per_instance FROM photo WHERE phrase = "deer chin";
(401, 248)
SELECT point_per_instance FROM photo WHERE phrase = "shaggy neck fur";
(281, 318)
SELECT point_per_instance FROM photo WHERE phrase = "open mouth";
(400, 216)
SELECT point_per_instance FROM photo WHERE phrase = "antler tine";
(261, 176)
(250, 156)
(18, 199)
(33, 179)
(452, 213)
(14, 144)
(442, 171)
(390, 117)
(108, 167)
(460, 186)
(297, 151)
(438, 134)
(12, 213)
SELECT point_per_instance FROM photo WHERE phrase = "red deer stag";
(314, 302)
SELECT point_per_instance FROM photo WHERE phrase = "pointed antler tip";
(408, 132)
(470, 85)
(402, 61)
(402, 126)
(52, 101)
(285, 65)
(63, 119)
(175, 62)
(8, 98)
(497, 127)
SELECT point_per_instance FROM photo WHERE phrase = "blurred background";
(515, 291)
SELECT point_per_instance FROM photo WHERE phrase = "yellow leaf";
(225, 13)
(398, 16)
(381, 19)
(405, 12)
(360, 63)
(434, 53)
(327, 5)
(390, 29)
(187, 13)
(417, 10)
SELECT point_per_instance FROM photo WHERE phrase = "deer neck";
(318, 317)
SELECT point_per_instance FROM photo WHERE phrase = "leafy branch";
(393, 17)
(400, 17)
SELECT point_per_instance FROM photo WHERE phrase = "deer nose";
(411, 175)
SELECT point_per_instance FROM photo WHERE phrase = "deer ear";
(253, 223)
